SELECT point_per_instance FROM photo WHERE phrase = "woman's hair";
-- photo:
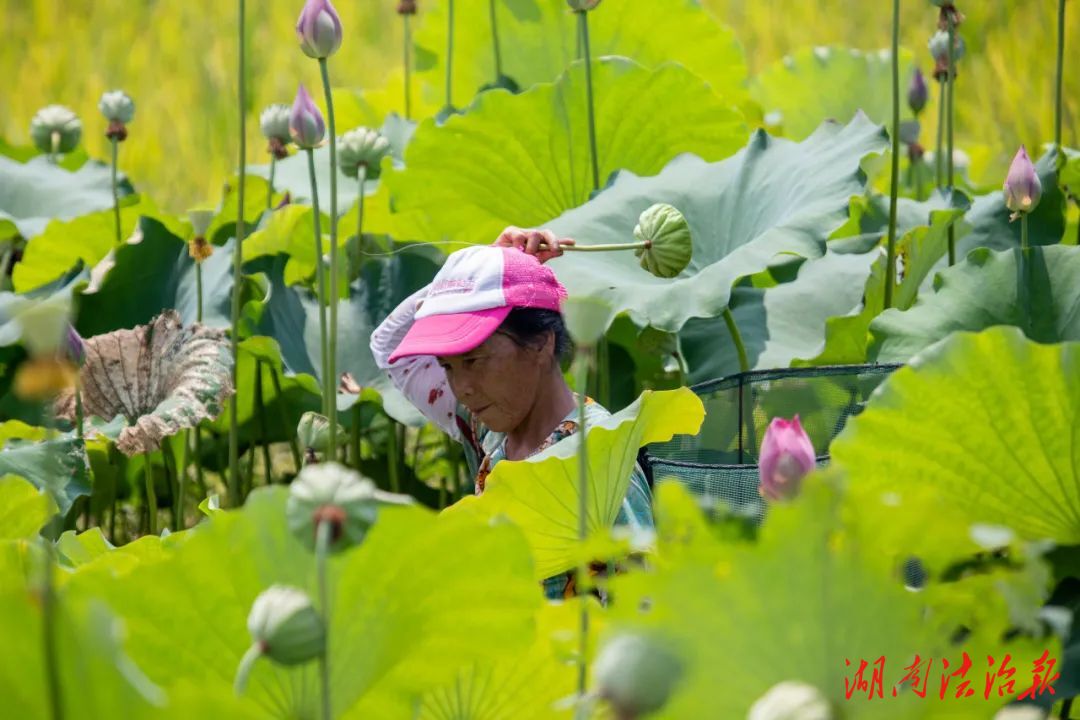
(529, 326)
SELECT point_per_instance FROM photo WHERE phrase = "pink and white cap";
(472, 294)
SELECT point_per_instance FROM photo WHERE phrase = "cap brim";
(450, 334)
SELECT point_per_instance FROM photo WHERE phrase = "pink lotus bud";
(917, 93)
(319, 29)
(1023, 189)
(787, 455)
(306, 124)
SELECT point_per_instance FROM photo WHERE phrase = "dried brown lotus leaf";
(162, 378)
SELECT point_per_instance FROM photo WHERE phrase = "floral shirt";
(424, 383)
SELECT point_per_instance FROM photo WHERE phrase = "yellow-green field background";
(177, 59)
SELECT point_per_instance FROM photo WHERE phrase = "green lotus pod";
(285, 628)
(670, 243)
(587, 318)
(791, 700)
(55, 129)
(117, 106)
(365, 148)
(582, 5)
(333, 494)
(313, 432)
(200, 219)
(635, 674)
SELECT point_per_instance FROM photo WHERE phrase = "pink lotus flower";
(1023, 189)
(319, 29)
(306, 124)
(787, 455)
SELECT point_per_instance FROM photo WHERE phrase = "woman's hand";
(541, 243)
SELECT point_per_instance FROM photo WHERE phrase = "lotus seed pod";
(365, 148)
(285, 627)
(306, 124)
(406, 7)
(582, 5)
(587, 319)
(55, 129)
(313, 432)
(1022, 188)
(939, 48)
(319, 29)
(635, 674)
(670, 243)
(200, 221)
(1020, 712)
(791, 700)
(117, 106)
(331, 493)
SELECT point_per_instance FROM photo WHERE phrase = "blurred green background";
(177, 59)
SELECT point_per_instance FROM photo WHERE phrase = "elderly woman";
(478, 352)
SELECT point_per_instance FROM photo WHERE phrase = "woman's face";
(499, 380)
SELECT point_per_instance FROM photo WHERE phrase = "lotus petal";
(162, 377)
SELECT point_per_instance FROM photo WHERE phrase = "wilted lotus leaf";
(162, 377)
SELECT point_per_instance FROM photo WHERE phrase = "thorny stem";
(587, 355)
(322, 549)
(234, 420)
(894, 189)
(320, 277)
(495, 39)
(115, 141)
(408, 68)
(583, 21)
(331, 357)
(951, 116)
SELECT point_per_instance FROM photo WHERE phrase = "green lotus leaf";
(794, 88)
(291, 318)
(58, 465)
(775, 197)
(37, 191)
(778, 324)
(437, 594)
(840, 603)
(538, 40)
(983, 291)
(23, 508)
(988, 421)
(540, 494)
(919, 251)
(162, 377)
(455, 188)
(533, 684)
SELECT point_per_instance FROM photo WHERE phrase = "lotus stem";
(587, 355)
(293, 445)
(200, 480)
(320, 279)
(5, 265)
(115, 142)
(610, 247)
(939, 175)
(48, 610)
(951, 116)
(495, 39)
(270, 187)
(736, 338)
(1025, 263)
(354, 436)
(198, 293)
(361, 182)
(322, 549)
(234, 422)
(894, 186)
(1059, 78)
(331, 360)
(247, 662)
(393, 452)
(168, 463)
(151, 496)
(1066, 708)
(408, 67)
(583, 22)
(264, 434)
(449, 56)
(182, 477)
